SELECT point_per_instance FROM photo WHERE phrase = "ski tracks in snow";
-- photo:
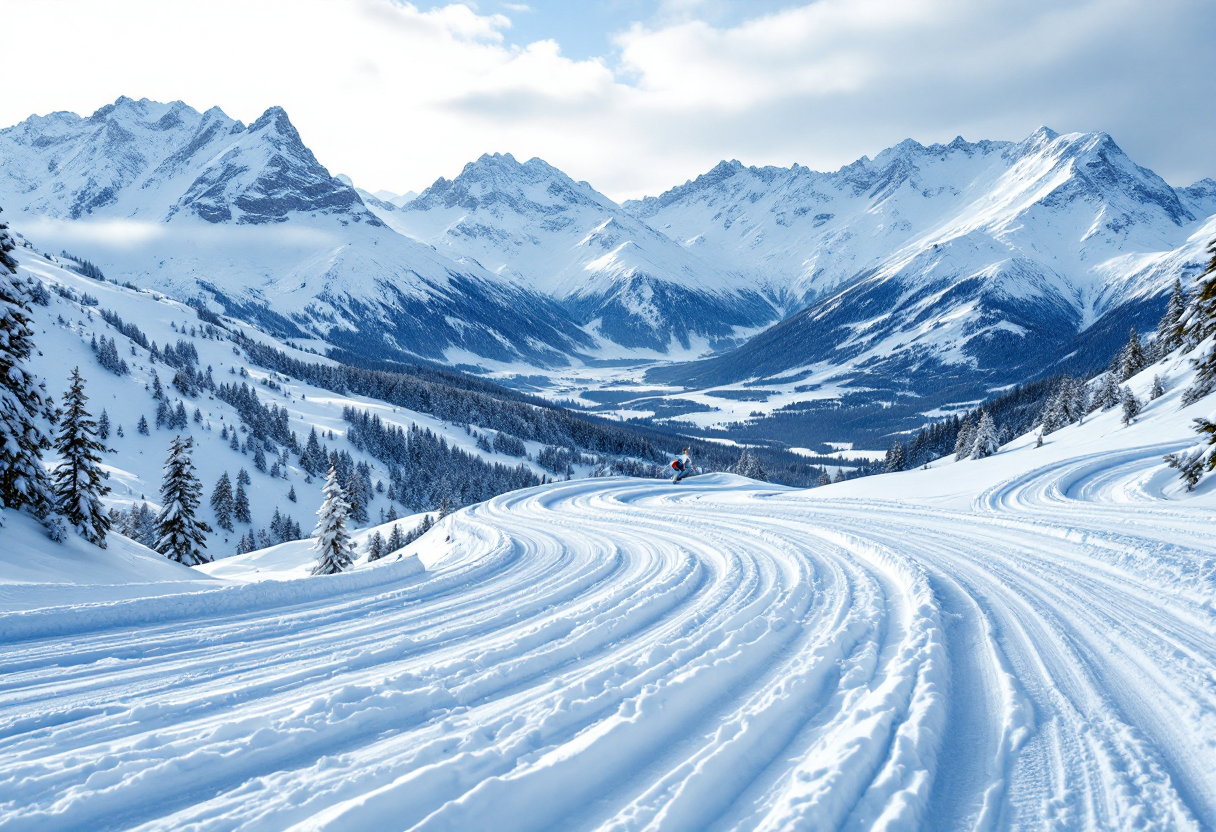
(631, 655)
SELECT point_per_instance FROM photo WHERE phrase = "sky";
(636, 96)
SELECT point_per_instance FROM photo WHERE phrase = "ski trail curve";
(630, 655)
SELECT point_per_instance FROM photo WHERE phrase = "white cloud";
(395, 96)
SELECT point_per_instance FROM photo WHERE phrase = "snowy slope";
(981, 262)
(534, 225)
(1022, 642)
(63, 332)
(199, 205)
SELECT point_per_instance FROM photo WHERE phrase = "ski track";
(631, 655)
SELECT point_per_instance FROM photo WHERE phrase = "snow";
(136, 464)
(1022, 641)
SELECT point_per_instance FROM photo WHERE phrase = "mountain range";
(927, 274)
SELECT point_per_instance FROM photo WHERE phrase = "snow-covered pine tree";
(103, 426)
(1157, 390)
(240, 503)
(1108, 395)
(1131, 406)
(1169, 328)
(839, 475)
(966, 438)
(824, 478)
(985, 443)
(895, 458)
(375, 547)
(1131, 357)
(1055, 412)
(334, 547)
(221, 502)
(1198, 323)
(79, 481)
(142, 427)
(291, 494)
(1078, 400)
(182, 536)
(23, 397)
(1199, 319)
(396, 539)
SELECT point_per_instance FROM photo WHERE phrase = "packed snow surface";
(1025, 642)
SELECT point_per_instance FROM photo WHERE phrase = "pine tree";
(895, 458)
(242, 476)
(259, 458)
(985, 443)
(1157, 390)
(334, 547)
(182, 536)
(1131, 406)
(375, 547)
(824, 478)
(966, 437)
(749, 466)
(103, 425)
(1078, 400)
(312, 459)
(1199, 320)
(79, 481)
(396, 540)
(1169, 328)
(142, 427)
(1055, 413)
(23, 397)
(291, 495)
(1131, 357)
(839, 475)
(1108, 395)
(240, 503)
(221, 502)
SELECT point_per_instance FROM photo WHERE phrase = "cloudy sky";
(636, 95)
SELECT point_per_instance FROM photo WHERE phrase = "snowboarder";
(682, 465)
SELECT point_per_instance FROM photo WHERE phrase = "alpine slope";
(1022, 642)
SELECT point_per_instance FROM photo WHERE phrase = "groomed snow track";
(625, 654)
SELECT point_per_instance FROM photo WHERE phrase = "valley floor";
(1022, 642)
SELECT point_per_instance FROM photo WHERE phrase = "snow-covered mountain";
(968, 262)
(536, 226)
(931, 271)
(200, 205)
